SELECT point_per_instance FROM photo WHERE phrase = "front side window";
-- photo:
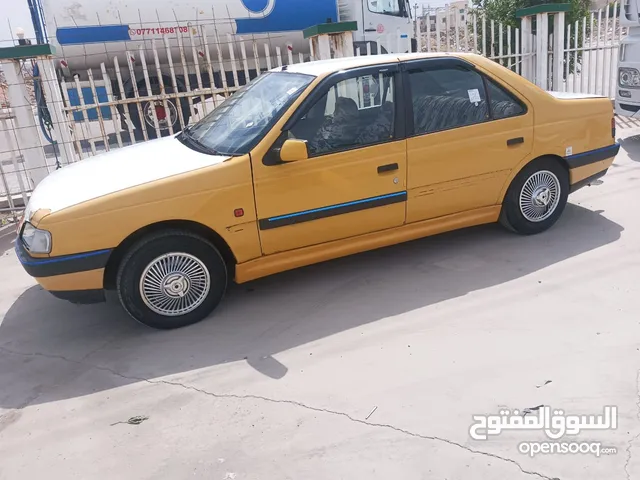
(240, 122)
(388, 7)
(355, 112)
(446, 98)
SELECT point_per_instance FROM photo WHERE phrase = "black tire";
(150, 248)
(512, 216)
(146, 122)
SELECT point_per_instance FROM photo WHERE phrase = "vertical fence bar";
(447, 32)
(437, 32)
(223, 73)
(151, 103)
(301, 57)
(278, 56)
(96, 101)
(267, 56)
(163, 88)
(290, 53)
(256, 58)
(136, 94)
(196, 67)
(72, 120)
(567, 52)
(518, 53)
(590, 76)
(185, 69)
(493, 36)
(613, 55)
(509, 64)
(207, 54)
(500, 43)
(234, 66)
(245, 62)
(584, 86)
(174, 82)
(466, 30)
(85, 112)
(114, 112)
(605, 54)
(575, 55)
(456, 26)
(598, 52)
(484, 35)
(116, 67)
(475, 33)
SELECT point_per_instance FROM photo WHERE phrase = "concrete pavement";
(279, 382)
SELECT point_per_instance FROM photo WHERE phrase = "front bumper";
(77, 278)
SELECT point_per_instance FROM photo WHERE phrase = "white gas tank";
(89, 33)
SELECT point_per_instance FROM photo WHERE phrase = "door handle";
(388, 167)
(515, 141)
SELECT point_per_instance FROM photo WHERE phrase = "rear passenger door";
(354, 181)
(466, 132)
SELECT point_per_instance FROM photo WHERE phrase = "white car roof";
(323, 67)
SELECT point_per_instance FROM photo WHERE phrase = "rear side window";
(503, 104)
(447, 98)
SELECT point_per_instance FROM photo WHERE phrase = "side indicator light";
(238, 212)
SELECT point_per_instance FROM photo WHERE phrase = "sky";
(16, 12)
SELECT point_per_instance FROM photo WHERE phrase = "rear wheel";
(536, 197)
(171, 279)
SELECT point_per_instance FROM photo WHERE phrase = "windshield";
(240, 122)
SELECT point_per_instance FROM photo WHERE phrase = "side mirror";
(293, 150)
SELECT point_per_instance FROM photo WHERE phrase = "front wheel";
(171, 279)
(536, 197)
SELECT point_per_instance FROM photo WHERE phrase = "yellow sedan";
(307, 163)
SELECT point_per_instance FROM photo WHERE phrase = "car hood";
(115, 171)
(571, 96)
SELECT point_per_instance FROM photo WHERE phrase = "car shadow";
(49, 348)
(631, 145)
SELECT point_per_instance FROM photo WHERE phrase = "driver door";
(354, 181)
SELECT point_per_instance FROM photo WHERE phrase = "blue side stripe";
(92, 34)
(590, 152)
(331, 207)
(45, 261)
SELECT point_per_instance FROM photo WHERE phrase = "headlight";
(629, 77)
(36, 240)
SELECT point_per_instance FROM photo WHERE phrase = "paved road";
(279, 383)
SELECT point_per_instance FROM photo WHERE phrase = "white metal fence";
(589, 56)
(592, 67)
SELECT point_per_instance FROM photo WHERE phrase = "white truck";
(627, 102)
(88, 34)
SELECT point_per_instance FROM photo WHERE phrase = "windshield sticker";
(474, 95)
(291, 91)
